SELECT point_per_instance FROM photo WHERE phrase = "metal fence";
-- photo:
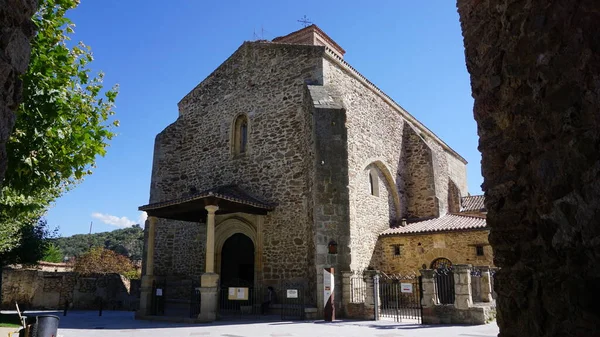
(444, 285)
(241, 302)
(358, 288)
(400, 297)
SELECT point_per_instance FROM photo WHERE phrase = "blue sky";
(158, 51)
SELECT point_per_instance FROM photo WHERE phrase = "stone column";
(486, 284)
(346, 291)
(209, 281)
(148, 278)
(430, 298)
(462, 286)
(210, 238)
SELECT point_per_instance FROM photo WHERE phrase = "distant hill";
(127, 241)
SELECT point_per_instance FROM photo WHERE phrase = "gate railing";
(240, 302)
(444, 285)
(358, 288)
(400, 297)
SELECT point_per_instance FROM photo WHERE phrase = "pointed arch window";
(373, 182)
(240, 135)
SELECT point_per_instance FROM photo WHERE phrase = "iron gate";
(400, 297)
(292, 301)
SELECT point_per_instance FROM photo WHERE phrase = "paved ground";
(122, 324)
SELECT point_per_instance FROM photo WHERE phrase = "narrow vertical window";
(373, 182)
(243, 136)
(240, 135)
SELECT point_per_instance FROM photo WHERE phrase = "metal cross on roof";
(305, 21)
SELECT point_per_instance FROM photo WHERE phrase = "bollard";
(66, 307)
(101, 303)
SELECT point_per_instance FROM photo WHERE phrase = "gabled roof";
(472, 203)
(446, 223)
(229, 198)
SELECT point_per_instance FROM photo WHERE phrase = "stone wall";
(421, 249)
(419, 180)
(17, 30)
(534, 75)
(330, 189)
(267, 83)
(179, 249)
(374, 141)
(34, 289)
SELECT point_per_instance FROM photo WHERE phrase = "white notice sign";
(158, 292)
(241, 294)
(406, 287)
(292, 293)
(231, 291)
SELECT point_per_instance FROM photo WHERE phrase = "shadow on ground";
(122, 320)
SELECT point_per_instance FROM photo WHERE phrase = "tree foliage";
(126, 241)
(52, 254)
(99, 260)
(32, 245)
(62, 124)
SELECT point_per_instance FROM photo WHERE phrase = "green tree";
(62, 125)
(52, 254)
(33, 243)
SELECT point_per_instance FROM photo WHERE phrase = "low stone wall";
(448, 314)
(35, 289)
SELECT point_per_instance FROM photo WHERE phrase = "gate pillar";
(371, 278)
(486, 284)
(429, 294)
(208, 297)
(462, 286)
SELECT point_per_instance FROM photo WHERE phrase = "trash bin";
(44, 326)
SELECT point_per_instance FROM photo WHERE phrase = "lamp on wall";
(332, 246)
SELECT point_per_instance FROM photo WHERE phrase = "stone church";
(284, 161)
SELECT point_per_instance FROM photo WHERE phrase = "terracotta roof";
(228, 192)
(449, 222)
(472, 203)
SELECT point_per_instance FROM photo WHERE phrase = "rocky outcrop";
(16, 29)
(535, 77)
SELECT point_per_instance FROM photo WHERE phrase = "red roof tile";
(472, 203)
(449, 222)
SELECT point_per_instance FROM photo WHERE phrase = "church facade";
(284, 161)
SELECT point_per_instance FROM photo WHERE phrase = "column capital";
(211, 208)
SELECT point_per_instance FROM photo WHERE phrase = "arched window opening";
(240, 135)
(373, 182)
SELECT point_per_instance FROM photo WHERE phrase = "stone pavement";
(122, 324)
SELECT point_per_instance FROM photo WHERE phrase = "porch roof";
(229, 198)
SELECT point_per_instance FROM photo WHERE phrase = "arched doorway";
(237, 261)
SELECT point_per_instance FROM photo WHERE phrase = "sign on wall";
(406, 287)
(328, 291)
(237, 294)
(292, 293)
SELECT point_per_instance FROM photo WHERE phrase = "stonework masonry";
(534, 75)
(316, 129)
(17, 30)
(417, 250)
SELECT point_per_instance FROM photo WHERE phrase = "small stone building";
(455, 238)
(286, 160)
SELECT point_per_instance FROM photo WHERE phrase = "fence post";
(486, 284)
(462, 286)
(429, 294)
(376, 295)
